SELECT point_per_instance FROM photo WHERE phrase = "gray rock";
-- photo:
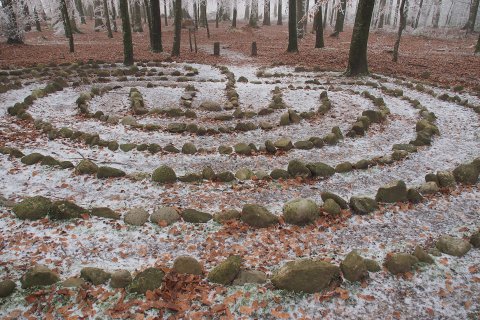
(188, 265)
(339, 200)
(321, 170)
(428, 188)
(453, 246)
(297, 168)
(195, 216)
(446, 179)
(353, 267)
(94, 275)
(250, 276)
(165, 215)
(394, 192)
(136, 217)
(331, 207)
(149, 279)
(121, 279)
(7, 287)
(466, 174)
(39, 276)
(257, 216)
(400, 262)
(363, 205)
(300, 212)
(226, 271)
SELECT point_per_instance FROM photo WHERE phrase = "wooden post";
(216, 48)
(254, 49)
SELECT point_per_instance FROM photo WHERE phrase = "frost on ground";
(449, 289)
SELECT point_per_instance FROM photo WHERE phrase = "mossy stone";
(104, 212)
(226, 215)
(257, 216)
(149, 279)
(39, 276)
(279, 174)
(339, 200)
(400, 262)
(86, 167)
(453, 246)
(120, 279)
(296, 168)
(63, 209)
(320, 170)
(164, 174)
(225, 176)
(394, 192)
(96, 276)
(105, 172)
(331, 207)
(126, 147)
(363, 205)
(300, 212)
(33, 208)
(32, 158)
(344, 167)
(187, 265)
(195, 216)
(226, 271)
(354, 267)
(7, 287)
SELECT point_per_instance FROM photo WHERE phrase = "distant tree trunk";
(436, 15)
(388, 20)
(340, 21)
(97, 7)
(381, 10)
(357, 60)
(14, 35)
(73, 23)
(156, 31)
(148, 15)
(299, 17)
(137, 17)
(203, 13)
(170, 8)
(477, 48)
(279, 13)
(178, 28)
(275, 9)
(396, 13)
(127, 34)
(470, 25)
(107, 19)
(324, 23)
(66, 24)
(37, 20)
(266, 13)
(217, 14)
(403, 23)
(114, 17)
(79, 6)
(165, 12)
(234, 20)
(254, 14)
(247, 11)
(415, 26)
(292, 27)
(26, 13)
(318, 23)
(305, 22)
(195, 13)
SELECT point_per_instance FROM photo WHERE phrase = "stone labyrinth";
(196, 191)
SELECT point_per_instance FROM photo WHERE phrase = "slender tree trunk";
(79, 6)
(107, 19)
(137, 17)
(37, 20)
(148, 14)
(156, 27)
(66, 25)
(275, 9)
(195, 14)
(299, 17)
(178, 28)
(324, 23)
(403, 23)
(477, 48)
(165, 12)
(396, 13)
(203, 13)
(389, 13)
(114, 17)
(305, 22)
(26, 14)
(127, 34)
(418, 14)
(292, 27)
(470, 25)
(217, 14)
(318, 23)
(279, 13)
(357, 60)
(254, 14)
(97, 7)
(234, 20)
(436, 14)
(14, 35)
(381, 10)
(340, 21)
(266, 13)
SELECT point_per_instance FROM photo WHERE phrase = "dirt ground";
(442, 61)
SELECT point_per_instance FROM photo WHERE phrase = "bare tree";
(127, 34)
(156, 32)
(266, 13)
(318, 24)
(234, 19)
(470, 25)
(340, 21)
(178, 28)
(254, 14)
(279, 13)
(403, 24)
(107, 19)
(66, 24)
(477, 47)
(292, 27)
(14, 34)
(97, 11)
(114, 17)
(436, 14)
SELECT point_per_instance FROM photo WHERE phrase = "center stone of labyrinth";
(204, 191)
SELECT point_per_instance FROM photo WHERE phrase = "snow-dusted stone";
(330, 139)
(136, 217)
(242, 148)
(86, 167)
(32, 158)
(363, 205)
(64, 209)
(109, 172)
(353, 267)
(414, 196)
(257, 216)
(166, 215)
(284, 144)
(422, 255)
(164, 174)
(244, 174)
(344, 167)
(475, 239)
(428, 188)
(195, 216)
(226, 215)
(466, 174)
(38, 276)
(49, 161)
(209, 105)
(128, 121)
(297, 168)
(331, 207)
(279, 174)
(186, 264)
(250, 276)
(339, 200)
(320, 170)
(453, 246)
(446, 179)
(394, 192)
(405, 147)
(73, 282)
(7, 287)
(226, 271)
(300, 212)
(189, 148)
(372, 265)
(400, 262)
(94, 275)
(104, 212)
(33, 208)
(303, 145)
(120, 279)
(307, 276)
(225, 176)
(149, 279)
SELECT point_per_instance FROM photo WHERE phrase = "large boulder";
(120, 279)
(166, 215)
(226, 271)
(394, 192)
(136, 217)
(300, 212)
(339, 200)
(363, 205)
(195, 216)
(466, 174)
(453, 246)
(297, 168)
(86, 167)
(354, 267)
(94, 275)
(186, 264)
(149, 279)
(307, 276)
(400, 262)
(38, 276)
(257, 216)
(109, 172)
(7, 287)
(320, 170)
(33, 208)
(250, 276)
(164, 174)
(63, 209)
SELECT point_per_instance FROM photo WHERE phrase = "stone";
(191, 177)
(330, 139)
(353, 267)
(225, 150)
(262, 175)
(453, 246)
(189, 148)
(195, 216)
(331, 207)
(317, 142)
(242, 148)
(279, 174)
(446, 179)
(38, 276)
(208, 173)
(422, 255)
(284, 144)
(257, 216)
(226, 271)
(398, 155)
(363, 205)
(414, 196)
(149, 279)
(187, 265)
(32, 159)
(372, 265)
(400, 262)
(86, 167)
(285, 119)
(210, 106)
(297, 168)
(166, 215)
(73, 282)
(128, 121)
(339, 200)
(245, 126)
(94, 275)
(344, 167)
(154, 148)
(303, 145)
(405, 147)
(372, 115)
(104, 212)
(270, 147)
(105, 172)
(294, 117)
(320, 170)
(136, 217)
(33, 208)
(120, 279)
(337, 132)
(176, 127)
(66, 165)
(49, 161)
(126, 147)
(428, 188)
(250, 276)
(63, 210)
(394, 192)
(225, 176)
(164, 175)
(475, 240)
(244, 174)
(226, 215)
(307, 276)
(300, 212)
(7, 287)
(466, 174)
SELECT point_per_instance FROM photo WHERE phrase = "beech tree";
(357, 60)
(107, 19)
(279, 13)
(156, 31)
(14, 34)
(234, 19)
(318, 24)
(114, 17)
(472, 17)
(292, 27)
(127, 34)
(97, 11)
(340, 21)
(79, 6)
(66, 24)
(266, 13)
(403, 23)
(254, 14)
(178, 28)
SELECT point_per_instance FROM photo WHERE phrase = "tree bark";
(195, 14)
(37, 20)
(137, 17)
(247, 11)
(203, 13)
(14, 35)
(165, 12)
(299, 17)
(66, 25)
(127, 34)
(148, 14)
(318, 23)
(114, 17)
(234, 19)
(472, 17)
(254, 14)
(381, 10)
(79, 6)
(178, 28)
(107, 19)
(403, 23)
(26, 14)
(217, 15)
(279, 13)
(357, 61)
(477, 48)
(266, 13)
(340, 21)
(156, 32)
(415, 26)
(97, 9)
(292, 27)
(324, 23)
(436, 15)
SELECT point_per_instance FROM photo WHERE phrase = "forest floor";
(443, 58)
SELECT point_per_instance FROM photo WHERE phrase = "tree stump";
(254, 49)
(216, 48)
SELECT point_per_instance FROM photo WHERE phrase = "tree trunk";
(14, 35)
(254, 14)
(66, 25)
(403, 23)
(292, 27)
(324, 23)
(477, 48)
(299, 17)
(266, 13)
(178, 28)
(389, 15)
(137, 17)
(203, 13)
(305, 11)
(275, 9)
(148, 14)
(165, 12)
(26, 14)
(396, 13)
(418, 15)
(156, 31)
(357, 60)
(97, 9)
(279, 13)
(114, 17)
(234, 20)
(381, 10)
(127, 34)
(79, 6)
(107, 19)
(318, 23)
(436, 15)
(37, 20)
(247, 11)
(195, 14)
(470, 25)
(340, 21)
(217, 14)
